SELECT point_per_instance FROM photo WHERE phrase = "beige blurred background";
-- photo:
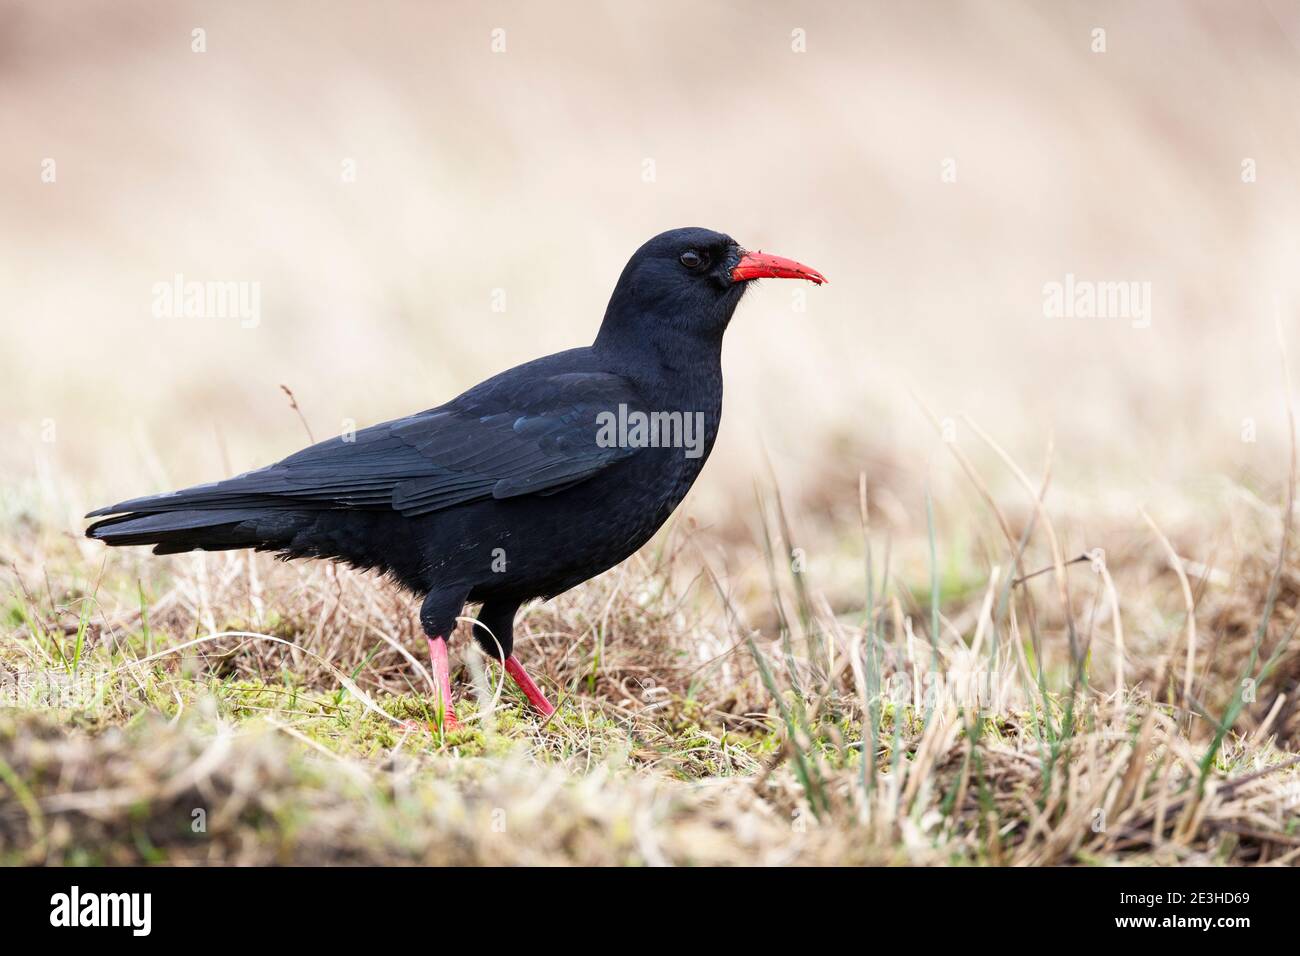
(525, 171)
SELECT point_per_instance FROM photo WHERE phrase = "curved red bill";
(760, 265)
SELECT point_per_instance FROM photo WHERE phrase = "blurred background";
(426, 193)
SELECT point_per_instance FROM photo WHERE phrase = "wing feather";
(503, 439)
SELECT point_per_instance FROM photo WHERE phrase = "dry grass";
(703, 719)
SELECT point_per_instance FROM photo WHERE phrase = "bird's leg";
(494, 631)
(528, 686)
(442, 682)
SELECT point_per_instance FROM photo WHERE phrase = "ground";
(232, 708)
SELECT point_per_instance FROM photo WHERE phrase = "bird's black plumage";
(513, 489)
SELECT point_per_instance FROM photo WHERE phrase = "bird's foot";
(448, 724)
(442, 684)
(528, 686)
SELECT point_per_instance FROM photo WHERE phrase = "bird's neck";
(672, 360)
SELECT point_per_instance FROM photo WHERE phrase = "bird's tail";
(220, 529)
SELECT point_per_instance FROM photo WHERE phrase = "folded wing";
(489, 443)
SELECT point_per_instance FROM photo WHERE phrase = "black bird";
(522, 487)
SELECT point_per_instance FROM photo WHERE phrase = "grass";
(231, 708)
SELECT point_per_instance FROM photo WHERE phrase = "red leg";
(528, 686)
(442, 682)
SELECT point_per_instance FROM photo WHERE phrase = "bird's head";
(685, 284)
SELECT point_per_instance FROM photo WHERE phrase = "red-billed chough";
(522, 487)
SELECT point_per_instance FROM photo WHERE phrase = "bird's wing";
(534, 437)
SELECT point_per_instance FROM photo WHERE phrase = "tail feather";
(214, 496)
(363, 538)
(172, 532)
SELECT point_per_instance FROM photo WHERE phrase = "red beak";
(760, 265)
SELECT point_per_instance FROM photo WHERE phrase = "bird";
(521, 487)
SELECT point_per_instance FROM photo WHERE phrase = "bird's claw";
(432, 724)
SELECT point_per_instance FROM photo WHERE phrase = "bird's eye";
(692, 259)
